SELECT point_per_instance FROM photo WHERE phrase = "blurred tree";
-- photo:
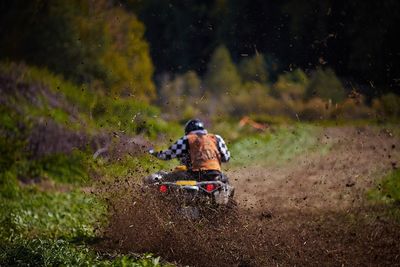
(326, 85)
(82, 39)
(127, 62)
(388, 105)
(222, 76)
(181, 96)
(291, 85)
(253, 98)
(254, 69)
(356, 38)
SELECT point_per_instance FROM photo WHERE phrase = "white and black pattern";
(178, 150)
(223, 149)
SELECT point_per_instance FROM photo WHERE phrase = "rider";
(202, 153)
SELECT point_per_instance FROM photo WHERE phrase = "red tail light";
(163, 188)
(210, 187)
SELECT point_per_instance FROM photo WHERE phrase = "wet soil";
(311, 211)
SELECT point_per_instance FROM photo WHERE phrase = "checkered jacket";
(180, 150)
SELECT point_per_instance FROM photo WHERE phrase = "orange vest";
(204, 153)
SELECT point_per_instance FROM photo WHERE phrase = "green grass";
(55, 228)
(277, 147)
(129, 167)
(33, 213)
(387, 192)
(95, 108)
(388, 189)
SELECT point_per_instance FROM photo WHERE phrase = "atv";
(191, 195)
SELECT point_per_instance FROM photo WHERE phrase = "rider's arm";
(177, 150)
(223, 149)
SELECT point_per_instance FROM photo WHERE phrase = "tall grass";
(55, 229)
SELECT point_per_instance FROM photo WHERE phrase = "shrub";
(254, 69)
(291, 85)
(387, 105)
(315, 109)
(326, 85)
(351, 109)
(253, 98)
(222, 75)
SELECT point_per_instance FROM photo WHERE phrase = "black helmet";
(193, 125)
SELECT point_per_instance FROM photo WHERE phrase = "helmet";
(193, 125)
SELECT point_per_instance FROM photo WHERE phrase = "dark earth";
(311, 211)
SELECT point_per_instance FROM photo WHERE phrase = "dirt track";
(309, 211)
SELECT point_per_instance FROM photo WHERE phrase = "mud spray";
(309, 213)
(140, 222)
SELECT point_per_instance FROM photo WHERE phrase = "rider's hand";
(152, 152)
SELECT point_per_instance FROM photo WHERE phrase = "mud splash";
(141, 223)
(310, 212)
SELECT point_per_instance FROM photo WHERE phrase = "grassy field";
(279, 146)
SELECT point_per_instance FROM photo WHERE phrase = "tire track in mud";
(310, 211)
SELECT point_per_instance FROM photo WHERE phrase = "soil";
(311, 211)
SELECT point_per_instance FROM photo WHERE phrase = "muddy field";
(311, 210)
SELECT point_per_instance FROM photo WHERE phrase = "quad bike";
(192, 194)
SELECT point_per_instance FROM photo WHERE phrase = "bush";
(182, 96)
(253, 98)
(326, 85)
(222, 76)
(315, 109)
(351, 109)
(291, 85)
(254, 69)
(387, 105)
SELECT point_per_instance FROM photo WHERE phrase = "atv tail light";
(163, 188)
(210, 187)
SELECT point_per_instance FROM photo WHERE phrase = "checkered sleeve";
(177, 150)
(223, 149)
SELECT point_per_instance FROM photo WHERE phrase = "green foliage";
(388, 105)
(50, 214)
(127, 63)
(253, 98)
(254, 69)
(129, 167)
(291, 85)
(44, 252)
(12, 137)
(222, 76)
(66, 168)
(315, 109)
(387, 192)
(181, 96)
(9, 187)
(82, 107)
(88, 43)
(51, 229)
(326, 85)
(388, 189)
